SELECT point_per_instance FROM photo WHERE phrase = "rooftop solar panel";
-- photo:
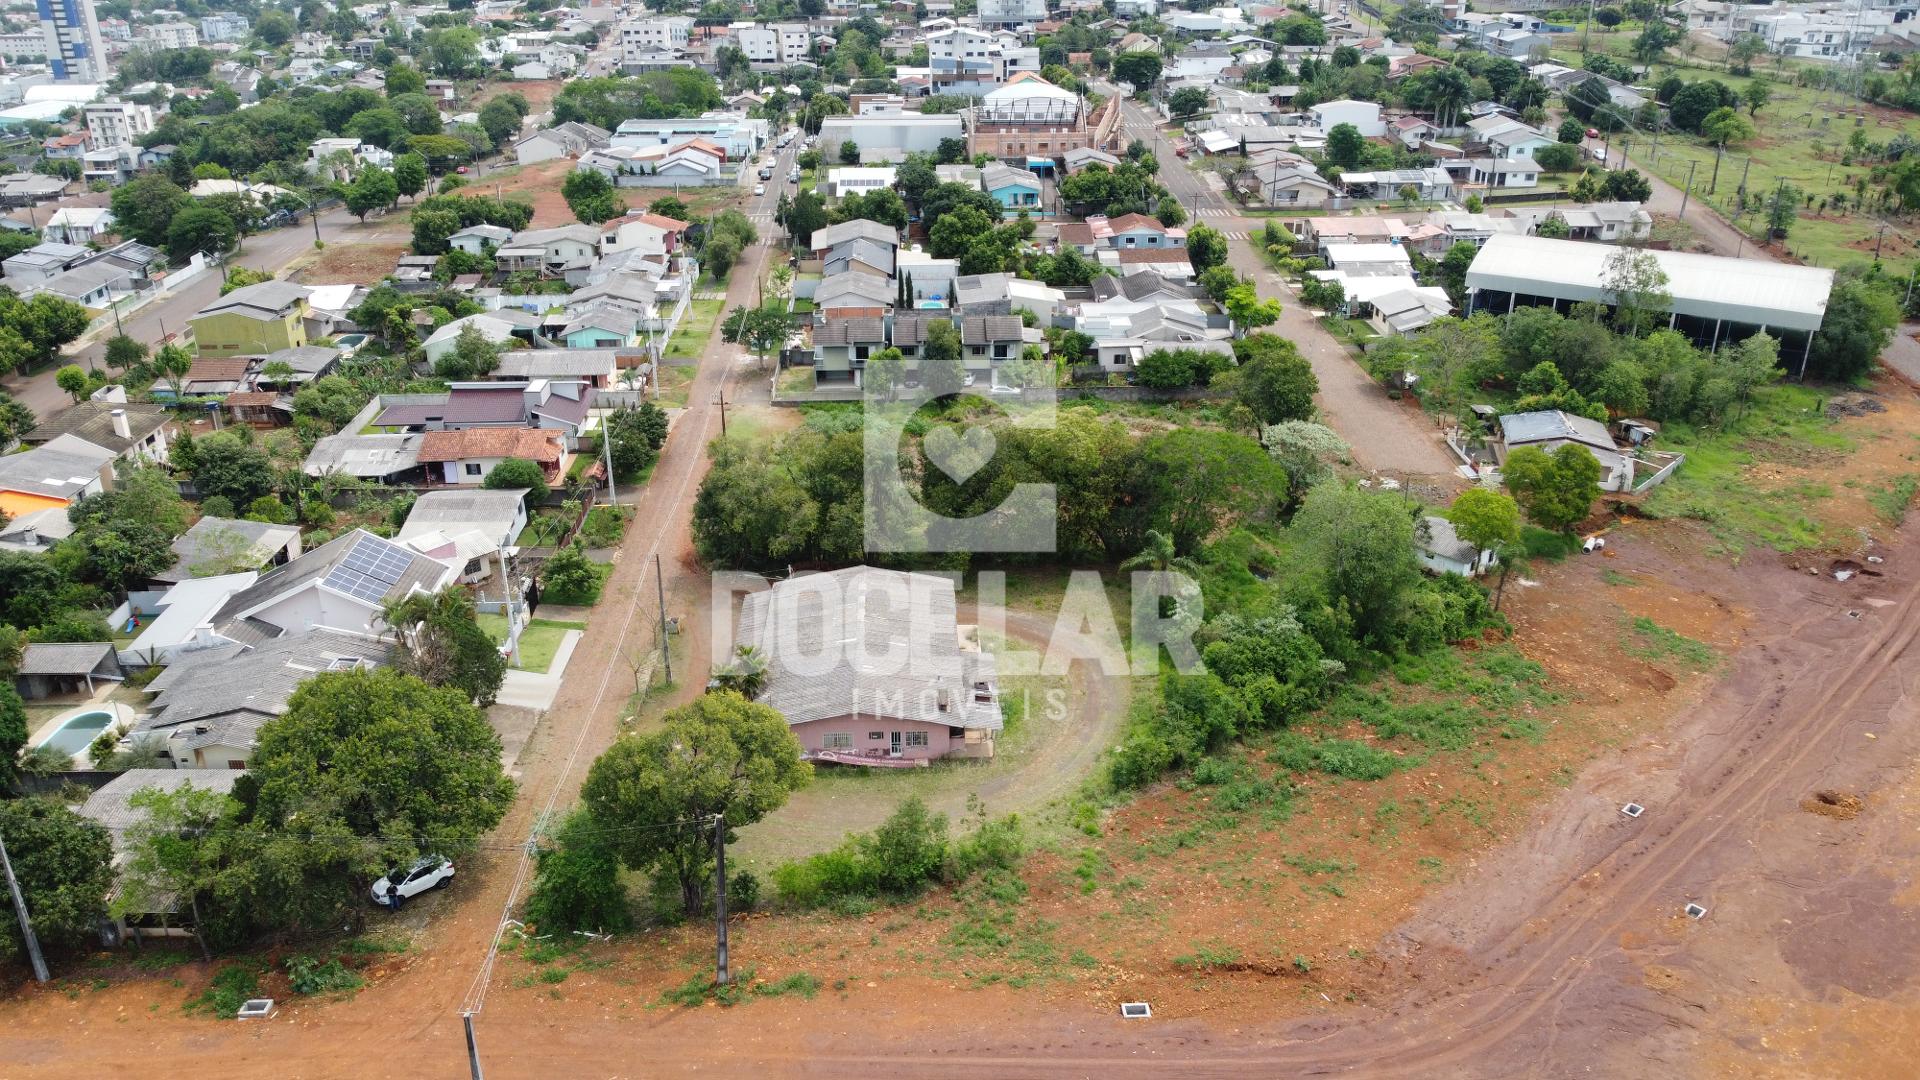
(370, 570)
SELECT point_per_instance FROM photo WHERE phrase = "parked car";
(759, 189)
(462, 170)
(1593, 133)
(407, 882)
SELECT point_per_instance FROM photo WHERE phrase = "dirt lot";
(1487, 913)
(538, 183)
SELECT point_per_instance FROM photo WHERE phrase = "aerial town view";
(959, 538)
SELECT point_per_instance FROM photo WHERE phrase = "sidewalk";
(536, 689)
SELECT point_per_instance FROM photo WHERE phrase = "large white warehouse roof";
(1779, 295)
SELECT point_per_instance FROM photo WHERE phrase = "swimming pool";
(77, 733)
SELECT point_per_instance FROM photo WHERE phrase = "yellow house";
(253, 321)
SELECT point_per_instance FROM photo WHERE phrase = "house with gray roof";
(1550, 429)
(128, 429)
(217, 545)
(49, 668)
(497, 515)
(843, 346)
(369, 457)
(861, 255)
(848, 295)
(930, 694)
(824, 240)
(1440, 549)
(65, 467)
(210, 704)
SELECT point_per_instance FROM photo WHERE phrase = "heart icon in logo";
(959, 456)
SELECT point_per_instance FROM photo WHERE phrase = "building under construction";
(1029, 119)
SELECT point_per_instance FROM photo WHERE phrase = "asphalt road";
(151, 324)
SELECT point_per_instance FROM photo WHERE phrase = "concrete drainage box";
(1135, 1010)
(255, 1009)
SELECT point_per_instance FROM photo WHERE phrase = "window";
(916, 738)
(837, 740)
(860, 351)
(473, 469)
(876, 736)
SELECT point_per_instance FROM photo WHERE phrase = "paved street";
(151, 324)
(1387, 436)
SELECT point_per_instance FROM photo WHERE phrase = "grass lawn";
(675, 384)
(538, 642)
(696, 327)
(795, 380)
(1353, 332)
(1719, 486)
(802, 306)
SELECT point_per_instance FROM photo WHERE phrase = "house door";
(895, 746)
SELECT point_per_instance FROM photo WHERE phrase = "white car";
(396, 888)
(759, 189)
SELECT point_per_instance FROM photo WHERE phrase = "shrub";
(908, 852)
(216, 506)
(743, 892)
(308, 975)
(577, 884)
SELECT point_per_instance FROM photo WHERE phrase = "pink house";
(869, 667)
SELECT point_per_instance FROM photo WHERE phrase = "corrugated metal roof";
(1778, 295)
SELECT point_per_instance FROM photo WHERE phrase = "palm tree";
(1448, 92)
(1159, 554)
(747, 675)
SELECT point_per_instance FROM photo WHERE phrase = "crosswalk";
(1213, 212)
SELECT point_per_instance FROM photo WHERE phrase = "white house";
(1363, 115)
(1441, 550)
(847, 181)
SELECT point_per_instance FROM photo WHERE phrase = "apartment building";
(775, 44)
(170, 35)
(117, 123)
(74, 49)
(224, 26)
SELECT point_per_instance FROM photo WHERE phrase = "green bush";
(310, 975)
(743, 891)
(908, 852)
(232, 986)
(577, 883)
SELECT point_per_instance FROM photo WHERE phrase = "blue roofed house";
(1014, 189)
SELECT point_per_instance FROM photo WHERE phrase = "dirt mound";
(1833, 804)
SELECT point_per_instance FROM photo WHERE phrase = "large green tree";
(64, 864)
(143, 208)
(656, 794)
(393, 755)
(1273, 380)
(1360, 544)
(1557, 489)
(442, 643)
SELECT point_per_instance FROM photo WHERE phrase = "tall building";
(73, 41)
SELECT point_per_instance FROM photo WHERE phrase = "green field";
(696, 326)
(1802, 136)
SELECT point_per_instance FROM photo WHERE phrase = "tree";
(576, 885)
(500, 120)
(473, 356)
(1860, 319)
(1361, 543)
(390, 754)
(1345, 144)
(122, 553)
(1636, 286)
(1246, 308)
(1166, 369)
(1141, 69)
(1609, 17)
(1306, 450)
(746, 675)
(1694, 103)
(383, 127)
(64, 864)
(807, 215)
(761, 329)
(515, 473)
(591, 196)
(1725, 127)
(1485, 518)
(1557, 489)
(1206, 248)
(404, 78)
(1744, 50)
(633, 447)
(570, 577)
(1187, 101)
(955, 232)
(1570, 132)
(849, 153)
(654, 794)
(942, 371)
(374, 189)
(274, 27)
(670, 206)
(201, 230)
(410, 174)
(1759, 92)
(13, 716)
(124, 352)
(1627, 185)
(1273, 381)
(1558, 158)
(441, 642)
(73, 380)
(224, 465)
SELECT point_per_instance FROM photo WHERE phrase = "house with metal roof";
(253, 321)
(49, 668)
(343, 585)
(210, 703)
(1550, 429)
(127, 429)
(217, 545)
(893, 680)
(52, 476)
(384, 457)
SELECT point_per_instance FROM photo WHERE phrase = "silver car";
(402, 885)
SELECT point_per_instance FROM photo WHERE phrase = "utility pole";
(1685, 195)
(666, 654)
(720, 899)
(26, 921)
(1744, 170)
(722, 402)
(606, 453)
(473, 1048)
